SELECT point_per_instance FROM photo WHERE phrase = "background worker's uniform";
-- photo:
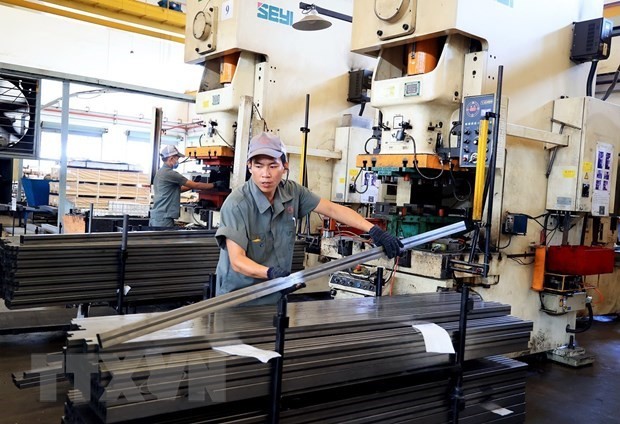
(167, 197)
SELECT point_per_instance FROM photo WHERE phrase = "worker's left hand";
(220, 186)
(391, 244)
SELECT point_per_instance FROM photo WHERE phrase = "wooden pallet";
(101, 202)
(107, 190)
(99, 187)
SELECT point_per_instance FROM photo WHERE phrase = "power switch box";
(515, 224)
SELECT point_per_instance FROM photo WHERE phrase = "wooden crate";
(104, 190)
(99, 187)
(105, 176)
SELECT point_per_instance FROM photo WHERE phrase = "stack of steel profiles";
(332, 347)
(488, 384)
(161, 266)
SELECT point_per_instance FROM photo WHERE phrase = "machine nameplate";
(412, 89)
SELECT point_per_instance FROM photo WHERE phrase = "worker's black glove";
(276, 272)
(220, 186)
(390, 243)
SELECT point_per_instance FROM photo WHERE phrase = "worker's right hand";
(276, 272)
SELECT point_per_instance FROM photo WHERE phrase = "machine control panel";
(474, 109)
(352, 283)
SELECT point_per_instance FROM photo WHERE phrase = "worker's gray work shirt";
(266, 232)
(167, 193)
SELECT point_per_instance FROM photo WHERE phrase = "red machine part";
(580, 260)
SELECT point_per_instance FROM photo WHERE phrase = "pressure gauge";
(202, 26)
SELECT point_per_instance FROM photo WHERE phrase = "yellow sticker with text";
(569, 173)
(587, 167)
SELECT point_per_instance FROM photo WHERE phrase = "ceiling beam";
(126, 15)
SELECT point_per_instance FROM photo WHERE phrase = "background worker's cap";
(267, 144)
(170, 150)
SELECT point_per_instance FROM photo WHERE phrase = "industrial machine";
(446, 85)
(472, 119)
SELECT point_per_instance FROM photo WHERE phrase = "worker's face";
(172, 161)
(267, 173)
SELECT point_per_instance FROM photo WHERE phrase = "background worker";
(258, 221)
(167, 187)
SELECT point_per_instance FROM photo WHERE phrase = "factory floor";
(555, 393)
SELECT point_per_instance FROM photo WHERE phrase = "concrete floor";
(555, 393)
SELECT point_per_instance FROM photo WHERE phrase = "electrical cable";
(459, 199)
(591, 75)
(504, 247)
(611, 87)
(220, 136)
(415, 161)
(355, 182)
(366, 144)
(265, 127)
(393, 274)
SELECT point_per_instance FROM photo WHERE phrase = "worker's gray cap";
(170, 150)
(267, 144)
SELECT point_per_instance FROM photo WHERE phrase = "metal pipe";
(303, 172)
(281, 322)
(460, 354)
(156, 127)
(121, 267)
(379, 281)
(492, 169)
(176, 316)
(64, 140)
(326, 12)
(90, 218)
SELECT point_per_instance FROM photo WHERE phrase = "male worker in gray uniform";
(258, 221)
(167, 187)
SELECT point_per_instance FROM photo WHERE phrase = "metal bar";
(156, 126)
(64, 140)
(122, 262)
(379, 281)
(281, 322)
(90, 218)
(168, 319)
(490, 194)
(457, 396)
(326, 12)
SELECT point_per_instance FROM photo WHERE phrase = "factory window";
(78, 146)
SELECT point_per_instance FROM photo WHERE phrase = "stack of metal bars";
(46, 270)
(343, 358)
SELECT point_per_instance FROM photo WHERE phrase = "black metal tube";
(305, 130)
(280, 321)
(303, 163)
(590, 80)
(122, 263)
(211, 286)
(326, 12)
(157, 124)
(492, 164)
(379, 282)
(90, 218)
(457, 396)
